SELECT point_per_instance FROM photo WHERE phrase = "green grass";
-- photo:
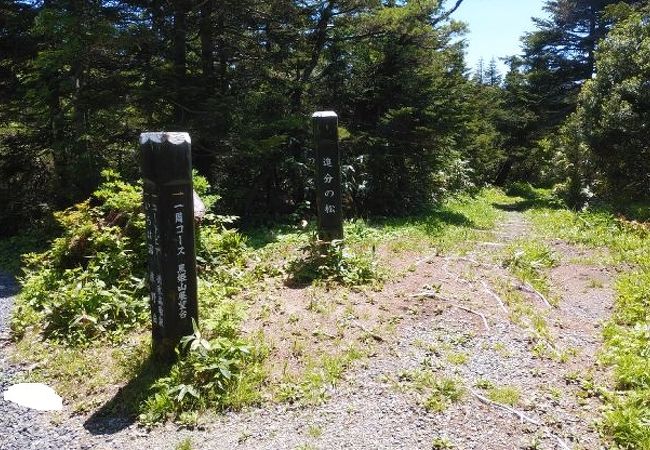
(452, 226)
(528, 259)
(310, 387)
(457, 358)
(436, 393)
(627, 335)
(185, 444)
(506, 395)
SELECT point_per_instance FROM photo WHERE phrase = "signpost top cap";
(159, 136)
(324, 114)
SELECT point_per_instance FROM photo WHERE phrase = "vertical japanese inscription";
(168, 202)
(153, 254)
(328, 175)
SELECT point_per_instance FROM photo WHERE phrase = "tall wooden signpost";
(328, 175)
(169, 208)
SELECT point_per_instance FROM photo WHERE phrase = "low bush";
(89, 283)
(333, 262)
(206, 371)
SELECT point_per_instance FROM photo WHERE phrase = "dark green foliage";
(80, 80)
(89, 283)
(615, 108)
(331, 261)
(545, 81)
(604, 145)
(206, 372)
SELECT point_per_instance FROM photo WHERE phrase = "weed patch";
(527, 260)
(435, 393)
(85, 297)
(333, 262)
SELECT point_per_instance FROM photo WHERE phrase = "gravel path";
(376, 407)
(23, 428)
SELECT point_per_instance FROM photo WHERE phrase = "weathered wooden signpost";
(169, 208)
(328, 175)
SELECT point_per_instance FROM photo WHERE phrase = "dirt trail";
(378, 405)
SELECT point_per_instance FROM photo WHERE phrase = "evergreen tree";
(492, 76)
(479, 72)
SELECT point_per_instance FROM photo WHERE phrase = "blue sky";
(495, 27)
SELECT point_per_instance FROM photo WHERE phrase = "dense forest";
(79, 80)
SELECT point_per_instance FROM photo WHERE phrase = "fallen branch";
(371, 333)
(559, 440)
(436, 296)
(473, 261)
(494, 296)
(430, 294)
(485, 322)
(523, 417)
(319, 332)
(528, 288)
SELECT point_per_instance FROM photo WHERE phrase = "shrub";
(206, 371)
(332, 262)
(89, 282)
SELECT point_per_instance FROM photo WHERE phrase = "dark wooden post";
(169, 207)
(328, 175)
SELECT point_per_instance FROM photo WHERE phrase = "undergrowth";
(85, 294)
(88, 285)
(333, 262)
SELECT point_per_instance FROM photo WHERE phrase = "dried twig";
(528, 288)
(319, 332)
(523, 417)
(426, 259)
(494, 296)
(435, 295)
(430, 294)
(485, 322)
(371, 333)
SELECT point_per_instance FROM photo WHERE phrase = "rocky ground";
(463, 332)
(22, 428)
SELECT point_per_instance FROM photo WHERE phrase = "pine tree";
(479, 72)
(492, 75)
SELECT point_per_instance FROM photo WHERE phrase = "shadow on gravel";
(8, 285)
(121, 411)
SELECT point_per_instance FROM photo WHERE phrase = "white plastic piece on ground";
(35, 396)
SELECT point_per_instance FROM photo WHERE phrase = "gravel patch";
(23, 428)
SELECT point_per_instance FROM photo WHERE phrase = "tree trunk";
(179, 58)
(206, 32)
